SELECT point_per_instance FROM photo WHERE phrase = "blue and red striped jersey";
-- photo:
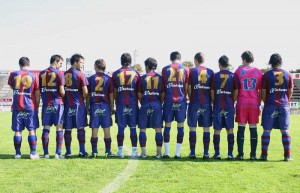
(100, 86)
(277, 82)
(24, 84)
(200, 81)
(50, 80)
(175, 78)
(74, 81)
(126, 83)
(151, 86)
(222, 84)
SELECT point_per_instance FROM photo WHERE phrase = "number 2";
(99, 84)
(175, 73)
(51, 82)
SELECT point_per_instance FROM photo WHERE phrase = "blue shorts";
(174, 111)
(75, 117)
(201, 114)
(52, 115)
(276, 117)
(150, 116)
(127, 115)
(100, 115)
(25, 118)
(223, 118)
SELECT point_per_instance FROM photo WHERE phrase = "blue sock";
(120, 136)
(206, 141)
(193, 139)
(94, 144)
(17, 144)
(107, 142)
(32, 144)
(253, 136)
(217, 144)
(240, 139)
(59, 141)
(230, 140)
(45, 140)
(167, 134)
(68, 140)
(81, 140)
(286, 142)
(158, 139)
(133, 137)
(265, 141)
(143, 139)
(180, 134)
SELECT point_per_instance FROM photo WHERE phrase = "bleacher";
(5, 91)
(296, 94)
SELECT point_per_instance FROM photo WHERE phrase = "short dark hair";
(101, 65)
(151, 63)
(224, 61)
(199, 57)
(75, 58)
(175, 56)
(56, 58)
(24, 61)
(126, 59)
(275, 60)
(248, 56)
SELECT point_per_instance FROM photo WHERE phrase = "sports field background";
(151, 175)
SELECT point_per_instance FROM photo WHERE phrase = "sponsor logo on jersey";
(199, 86)
(171, 85)
(220, 91)
(48, 90)
(16, 92)
(151, 93)
(272, 90)
(72, 89)
(94, 94)
(120, 89)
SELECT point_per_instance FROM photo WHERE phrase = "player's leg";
(192, 117)
(107, 142)
(94, 142)
(241, 118)
(229, 125)
(131, 121)
(68, 126)
(81, 141)
(45, 140)
(32, 144)
(216, 141)
(17, 126)
(217, 125)
(143, 141)
(205, 120)
(230, 141)
(143, 120)
(283, 125)
(59, 141)
(31, 123)
(268, 122)
(158, 140)
(121, 122)
(180, 135)
(81, 123)
(192, 140)
(253, 120)
(168, 116)
(17, 144)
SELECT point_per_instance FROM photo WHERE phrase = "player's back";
(50, 80)
(151, 86)
(74, 81)
(100, 86)
(277, 82)
(175, 78)
(126, 83)
(24, 83)
(200, 80)
(248, 83)
(222, 84)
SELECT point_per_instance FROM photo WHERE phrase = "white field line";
(123, 176)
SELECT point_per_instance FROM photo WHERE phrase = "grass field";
(151, 174)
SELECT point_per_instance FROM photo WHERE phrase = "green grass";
(151, 175)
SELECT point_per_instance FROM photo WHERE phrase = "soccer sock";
(230, 140)
(59, 141)
(94, 144)
(120, 136)
(180, 134)
(158, 139)
(206, 141)
(32, 144)
(193, 139)
(45, 140)
(133, 137)
(216, 141)
(107, 142)
(253, 136)
(240, 139)
(178, 148)
(143, 139)
(68, 140)
(265, 141)
(17, 144)
(81, 140)
(167, 139)
(286, 142)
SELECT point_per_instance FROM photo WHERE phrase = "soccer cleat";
(34, 156)
(192, 156)
(253, 158)
(83, 154)
(288, 158)
(158, 156)
(143, 156)
(110, 154)
(239, 157)
(166, 156)
(120, 154)
(216, 156)
(59, 156)
(93, 155)
(263, 158)
(18, 156)
(45, 156)
(177, 157)
(68, 155)
(206, 156)
(134, 154)
(230, 157)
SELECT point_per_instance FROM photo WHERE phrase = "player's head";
(77, 61)
(100, 65)
(275, 60)
(247, 57)
(24, 62)
(223, 62)
(175, 56)
(199, 58)
(150, 64)
(56, 61)
(125, 60)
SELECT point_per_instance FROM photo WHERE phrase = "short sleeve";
(264, 81)
(290, 83)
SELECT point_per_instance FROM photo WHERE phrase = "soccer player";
(52, 91)
(223, 106)
(175, 79)
(26, 100)
(125, 82)
(151, 96)
(200, 109)
(100, 105)
(75, 109)
(247, 85)
(277, 90)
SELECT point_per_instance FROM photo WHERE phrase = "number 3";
(279, 77)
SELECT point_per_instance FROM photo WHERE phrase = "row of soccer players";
(211, 97)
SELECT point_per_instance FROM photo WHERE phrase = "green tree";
(265, 70)
(188, 64)
(138, 68)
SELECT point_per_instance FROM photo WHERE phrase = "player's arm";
(37, 95)
(87, 104)
(62, 91)
(162, 97)
(212, 95)
(290, 93)
(112, 105)
(290, 87)
(235, 94)
(140, 96)
(85, 91)
(263, 94)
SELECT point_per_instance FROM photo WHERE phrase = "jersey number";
(68, 79)
(51, 82)
(225, 78)
(176, 74)
(121, 76)
(149, 82)
(99, 84)
(279, 77)
(249, 83)
(202, 76)
(26, 81)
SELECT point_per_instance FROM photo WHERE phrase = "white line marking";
(123, 176)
